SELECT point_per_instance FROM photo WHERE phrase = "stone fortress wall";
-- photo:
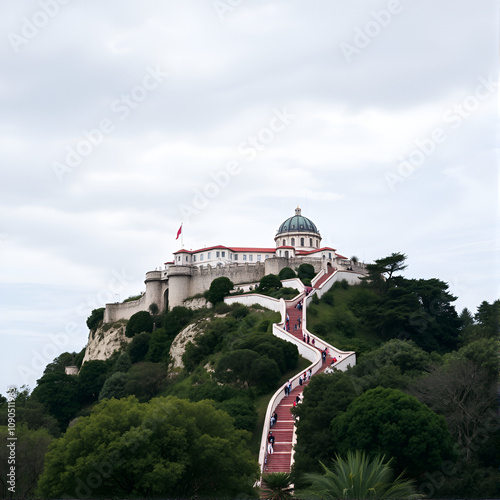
(179, 283)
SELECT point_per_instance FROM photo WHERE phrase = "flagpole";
(182, 236)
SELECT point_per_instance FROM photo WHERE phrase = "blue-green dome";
(297, 223)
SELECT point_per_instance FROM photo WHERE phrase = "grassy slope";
(345, 328)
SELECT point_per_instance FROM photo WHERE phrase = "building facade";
(191, 272)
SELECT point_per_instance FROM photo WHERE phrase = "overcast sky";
(121, 120)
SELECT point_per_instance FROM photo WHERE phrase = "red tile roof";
(232, 249)
(303, 252)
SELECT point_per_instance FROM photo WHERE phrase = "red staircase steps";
(280, 460)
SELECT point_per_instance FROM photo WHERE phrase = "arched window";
(310, 242)
(284, 242)
(301, 242)
(317, 243)
(293, 242)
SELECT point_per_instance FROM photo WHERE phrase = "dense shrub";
(219, 288)
(95, 318)
(287, 273)
(138, 323)
(306, 271)
(269, 282)
(139, 347)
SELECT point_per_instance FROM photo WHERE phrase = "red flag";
(179, 232)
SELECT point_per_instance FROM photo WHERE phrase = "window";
(310, 242)
(223, 254)
(217, 254)
(259, 257)
(235, 256)
(209, 255)
(267, 256)
(329, 255)
(317, 243)
(250, 258)
(244, 257)
(284, 242)
(201, 257)
(293, 242)
(194, 258)
(301, 242)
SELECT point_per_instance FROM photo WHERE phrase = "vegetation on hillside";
(423, 393)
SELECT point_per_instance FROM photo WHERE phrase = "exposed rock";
(178, 346)
(104, 341)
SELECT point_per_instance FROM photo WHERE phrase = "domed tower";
(298, 232)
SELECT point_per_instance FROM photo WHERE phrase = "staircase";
(283, 430)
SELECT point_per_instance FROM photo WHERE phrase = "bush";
(286, 273)
(154, 309)
(328, 299)
(222, 308)
(138, 348)
(239, 312)
(79, 358)
(114, 387)
(219, 288)
(269, 282)
(95, 318)
(138, 323)
(306, 271)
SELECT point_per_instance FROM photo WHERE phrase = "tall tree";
(381, 274)
(168, 447)
(395, 424)
(464, 394)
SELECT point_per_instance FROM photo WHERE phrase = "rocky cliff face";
(104, 341)
(179, 346)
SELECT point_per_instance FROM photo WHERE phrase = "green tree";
(91, 379)
(392, 423)
(159, 346)
(464, 394)
(324, 398)
(361, 477)
(79, 358)
(381, 274)
(154, 309)
(95, 318)
(138, 323)
(175, 320)
(58, 392)
(168, 447)
(269, 282)
(59, 363)
(114, 387)
(30, 449)
(138, 348)
(219, 288)
(394, 364)
(306, 271)
(277, 486)
(287, 273)
(123, 363)
(29, 411)
(145, 380)
(488, 319)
